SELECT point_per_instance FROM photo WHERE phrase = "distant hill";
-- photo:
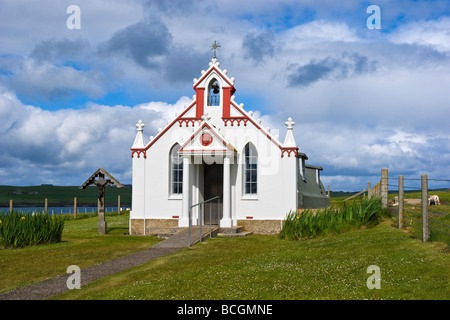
(61, 195)
(337, 194)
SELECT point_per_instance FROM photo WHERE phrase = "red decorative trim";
(139, 151)
(196, 133)
(170, 125)
(206, 139)
(226, 102)
(189, 120)
(188, 108)
(256, 125)
(200, 102)
(249, 218)
(205, 150)
(237, 119)
(175, 217)
(208, 72)
(289, 150)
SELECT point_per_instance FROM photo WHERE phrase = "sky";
(362, 98)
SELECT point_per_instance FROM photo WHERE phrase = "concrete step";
(237, 231)
(239, 234)
(195, 232)
(180, 238)
(232, 230)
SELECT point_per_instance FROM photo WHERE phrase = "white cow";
(434, 199)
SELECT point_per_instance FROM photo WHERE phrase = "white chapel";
(216, 150)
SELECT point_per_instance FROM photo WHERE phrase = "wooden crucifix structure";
(101, 178)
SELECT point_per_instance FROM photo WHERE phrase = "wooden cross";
(101, 183)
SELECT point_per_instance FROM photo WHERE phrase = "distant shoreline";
(60, 196)
(62, 205)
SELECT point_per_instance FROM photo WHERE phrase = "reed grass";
(348, 215)
(18, 229)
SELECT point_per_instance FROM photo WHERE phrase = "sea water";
(58, 210)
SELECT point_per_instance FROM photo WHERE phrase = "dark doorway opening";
(213, 186)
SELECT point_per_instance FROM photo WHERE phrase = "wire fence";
(428, 219)
(426, 215)
(416, 209)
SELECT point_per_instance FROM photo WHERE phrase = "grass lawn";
(254, 267)
(81, 246)
(266, 267)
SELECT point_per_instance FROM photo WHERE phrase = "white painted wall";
(277, 176)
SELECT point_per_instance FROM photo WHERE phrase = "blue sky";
(362, 99)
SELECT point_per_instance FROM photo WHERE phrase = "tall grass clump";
(311, 223)
(18, 229)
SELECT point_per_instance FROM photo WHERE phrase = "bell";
(215, 87)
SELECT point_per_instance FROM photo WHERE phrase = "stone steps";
(223, 232)
(233, 232)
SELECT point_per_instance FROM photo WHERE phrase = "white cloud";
(67, 145)
(432, 33)
(351, 123)
(41, 80)
(318, 31)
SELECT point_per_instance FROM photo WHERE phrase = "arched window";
(214, 93)
(176, 171)
(250, 169)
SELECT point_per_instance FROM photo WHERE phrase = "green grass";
(80, 245)
(266, 267)
(439, 215)
(254, 267)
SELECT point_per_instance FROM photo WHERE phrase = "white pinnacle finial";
(140, 125)
(139, 141)
(289, 141)
(289, 124)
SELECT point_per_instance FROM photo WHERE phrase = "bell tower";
(213, 90)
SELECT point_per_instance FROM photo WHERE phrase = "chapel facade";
(217, 150)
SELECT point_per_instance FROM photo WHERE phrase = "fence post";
(401, 203)
(384, 187)
(425, 218)
(369, 191)
(118, 204)
(46, 205)
(328, 191)
(75, 209)
(11, 205)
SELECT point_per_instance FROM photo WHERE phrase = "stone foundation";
(157, 226)
(152, 226)
(261, 226)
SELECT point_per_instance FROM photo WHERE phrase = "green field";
(61, 196)
(81, 245)
(254, 267)
(266, 267)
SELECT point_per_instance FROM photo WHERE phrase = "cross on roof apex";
(214, 47)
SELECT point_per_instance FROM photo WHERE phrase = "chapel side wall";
(159, 203)
(138, 190)
(277, 182)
